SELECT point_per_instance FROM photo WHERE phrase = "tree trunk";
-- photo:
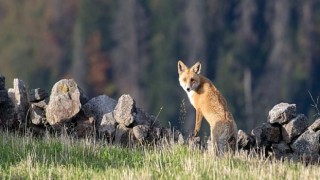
(130, 57)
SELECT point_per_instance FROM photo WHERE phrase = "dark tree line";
(258, 53)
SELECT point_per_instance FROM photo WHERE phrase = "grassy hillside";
(67, 158)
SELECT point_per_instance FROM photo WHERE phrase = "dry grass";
(67, 158)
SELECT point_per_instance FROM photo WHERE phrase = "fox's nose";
(188, 89)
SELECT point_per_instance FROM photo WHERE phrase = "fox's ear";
(196, 68)
(181, 67)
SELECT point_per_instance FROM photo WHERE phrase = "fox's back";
(210, 102)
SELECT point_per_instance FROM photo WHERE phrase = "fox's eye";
(192, 80)
(184, 79)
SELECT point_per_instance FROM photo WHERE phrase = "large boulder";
(125, 110)
(19, 97)
(64, 102)
(282, 113)
(97, 107)
(294, 128)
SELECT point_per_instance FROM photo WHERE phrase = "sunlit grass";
(67, 158)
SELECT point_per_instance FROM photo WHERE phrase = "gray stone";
(266, 134)
(282, 113)
(84, 128)
(64, 102)
(141, 132)
(315, 126)
(143, 118)
(281, 150)
(19, 97)
(2, 82)
(122, 135)
(245, 141)
(37, 115)
(97, 107)
(7, 115)
(125, 110)
(41, 104)
(307, 143)
(83, 97)
(294, 128)
(36, 95)
(108, 124)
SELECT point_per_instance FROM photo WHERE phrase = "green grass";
(67, 158)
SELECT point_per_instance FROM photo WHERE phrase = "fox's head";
(189, 77)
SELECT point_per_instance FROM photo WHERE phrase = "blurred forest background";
(258, 53)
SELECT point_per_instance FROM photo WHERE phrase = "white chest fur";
(190, 95)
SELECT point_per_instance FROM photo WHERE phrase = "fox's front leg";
(197, 127)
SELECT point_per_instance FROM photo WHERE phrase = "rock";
(308, 143)
(3, 96)
(41, 104)
(7, 115)
(266, 134)
(141, 132)
(36, 95)
(2, 82)
(37, 115)
(143, 118)
(84, 128)
(281, 150)
(97, 107)
(83, 97)
(315, 126)
(3, 92)
(19, 97)
(122, 135)
(64, 102)
(294, 128)
(282, 113)
(245, 141)
(108, 124)
(125, 110)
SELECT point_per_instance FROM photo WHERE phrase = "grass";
(67, 158)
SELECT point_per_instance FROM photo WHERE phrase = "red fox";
(210, 104)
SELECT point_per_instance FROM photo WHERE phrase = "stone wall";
(68, 110)
(286, 135)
